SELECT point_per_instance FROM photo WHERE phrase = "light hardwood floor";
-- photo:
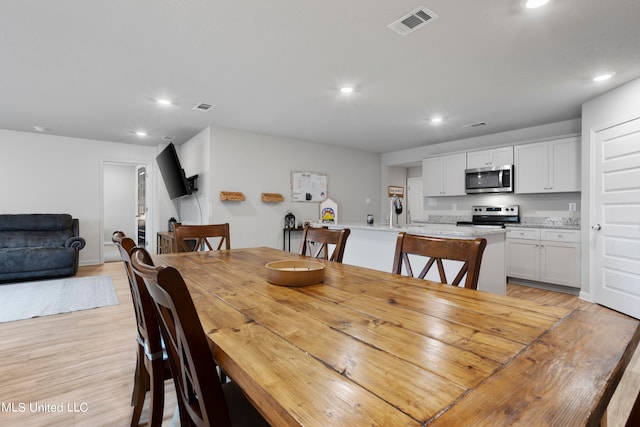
(82, 363)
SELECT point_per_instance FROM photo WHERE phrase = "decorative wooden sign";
(396, 191)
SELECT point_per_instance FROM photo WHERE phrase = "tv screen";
(172, 173)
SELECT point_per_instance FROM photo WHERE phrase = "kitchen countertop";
(564, 223)
(426, 229)
(550, 226)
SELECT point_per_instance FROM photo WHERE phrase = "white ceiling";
(93, 68)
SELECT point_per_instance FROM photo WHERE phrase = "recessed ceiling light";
(141, 133)
(40, 128)
(346, 89)
(533, 4)
(436, 120)
(602, 77)
(163, 101)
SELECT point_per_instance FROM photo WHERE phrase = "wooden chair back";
(316, 241)
(437, 249)
(192, 238)
(148, 328)
(633, 420)
(201, 399)
(152, 367)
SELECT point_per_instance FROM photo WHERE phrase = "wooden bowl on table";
(295, 273)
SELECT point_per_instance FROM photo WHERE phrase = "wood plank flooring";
(76, 369)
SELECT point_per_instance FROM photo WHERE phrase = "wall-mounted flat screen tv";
(173, 175)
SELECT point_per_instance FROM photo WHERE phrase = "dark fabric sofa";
(38, 246)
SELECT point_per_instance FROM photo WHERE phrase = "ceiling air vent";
(474, 125)
(203, 106)
(413, 21)
(168, 138)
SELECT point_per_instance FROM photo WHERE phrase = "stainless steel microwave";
(493, 179)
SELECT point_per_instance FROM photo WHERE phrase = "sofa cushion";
(36, 259)
(34, 239)
(35, 222)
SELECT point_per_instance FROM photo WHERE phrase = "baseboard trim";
(546, 286)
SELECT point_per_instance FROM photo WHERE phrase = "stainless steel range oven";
(493, 216)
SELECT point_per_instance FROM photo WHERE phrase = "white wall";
(195, 159)
(618, 104)
(254, 163)
(53, 174)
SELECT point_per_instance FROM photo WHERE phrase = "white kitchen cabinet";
(486, 158)
(444, 175)
(548, 167)
(523, 253)
(544, 255)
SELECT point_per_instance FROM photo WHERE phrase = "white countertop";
(549, 226)
(425, 229)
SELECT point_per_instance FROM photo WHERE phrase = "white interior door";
(415, 199)
(615, 232)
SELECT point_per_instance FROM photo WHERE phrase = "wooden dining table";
(369, 348)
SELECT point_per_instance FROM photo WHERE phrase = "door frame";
(148, 201)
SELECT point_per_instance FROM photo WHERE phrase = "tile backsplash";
(531, 221)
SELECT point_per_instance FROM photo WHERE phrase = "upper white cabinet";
(444, 175)
(486, 158)
(548, 167)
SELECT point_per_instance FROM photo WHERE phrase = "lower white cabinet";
(544, 255)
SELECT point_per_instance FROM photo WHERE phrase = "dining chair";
(633, 420)
(437, 249)
(316, 241)
(203, 400)
(192, 238)
(152, 364)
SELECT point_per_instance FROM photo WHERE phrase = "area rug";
(45, 297)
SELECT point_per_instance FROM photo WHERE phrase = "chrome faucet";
(395, 207)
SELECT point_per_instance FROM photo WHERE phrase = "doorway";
(125, 201)
(415, 199)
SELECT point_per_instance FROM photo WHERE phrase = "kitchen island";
(373, 246)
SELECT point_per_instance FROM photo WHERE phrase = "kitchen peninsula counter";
(373, 246)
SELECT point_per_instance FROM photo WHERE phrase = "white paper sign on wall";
(308, 186)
